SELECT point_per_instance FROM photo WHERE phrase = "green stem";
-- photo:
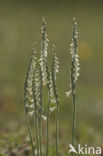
(57, 111)
(36, 121)
(74, 116)
(57, 126)
(48, 125)
(35, 115)
(48, 111)
(40, 132)
(30, 135)
(40, 114)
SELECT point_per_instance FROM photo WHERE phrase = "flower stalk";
(40, 104)
(28, 93)
(54, 71)
(36, 108)
(74, 75)
(48, 109)
(44, 46)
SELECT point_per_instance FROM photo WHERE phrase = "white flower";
(53, 100)
(52, 109)
(32, 106)
(44, 117)
(75, 58)
(55, 62)
(31, 113)
(28, 88)
(44, 45)
(68, 93)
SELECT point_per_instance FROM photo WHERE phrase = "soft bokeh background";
(20, 23)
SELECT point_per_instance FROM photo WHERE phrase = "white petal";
(31, 113)
(68, 93)
(44, 117)
(52, 109)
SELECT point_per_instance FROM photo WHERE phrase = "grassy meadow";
(20, 26)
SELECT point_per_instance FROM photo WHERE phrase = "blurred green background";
(20, 26)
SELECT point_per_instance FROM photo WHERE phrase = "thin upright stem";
(48, 124)
(30, 135)
(57, 111)
(40, 113)
(36, 121)
(40, 137)
(74, 74)
(74, 103)
(74, 117)
(36, 113)
(57, 128)
(54, 71)
(48, 109)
